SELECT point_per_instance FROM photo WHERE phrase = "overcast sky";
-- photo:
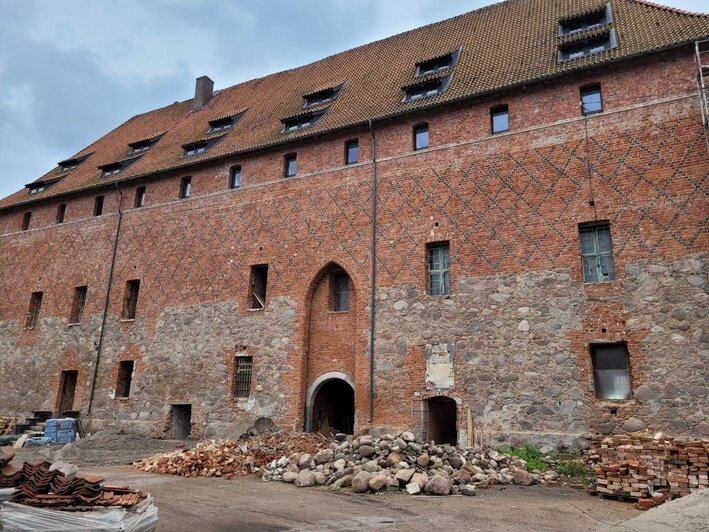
(72, 70)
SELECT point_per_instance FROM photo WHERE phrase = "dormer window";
(35, 189)
(198, 148)
(115, 168)
(142, 146)
(301, 121)
(321, 97)
(70, 164)
(221, 124)
(437, 64)
(425, 90)
(585, 22)
(595, 45)
(41, 186)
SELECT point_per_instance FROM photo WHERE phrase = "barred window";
(242, 375)
(597, 253)
(33, 313)
(611, 374)
(77, 306)
(439, 270)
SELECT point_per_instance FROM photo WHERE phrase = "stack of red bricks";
(649, 468)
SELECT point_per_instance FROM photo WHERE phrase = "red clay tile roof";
(503, 45)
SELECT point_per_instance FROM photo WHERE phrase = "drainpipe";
(105, 304)
(374, 273)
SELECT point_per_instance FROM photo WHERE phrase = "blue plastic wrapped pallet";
(60, 431)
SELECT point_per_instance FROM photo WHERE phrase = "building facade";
(491, 229)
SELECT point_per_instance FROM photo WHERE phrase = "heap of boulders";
(393, 463)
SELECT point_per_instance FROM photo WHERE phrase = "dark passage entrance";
(181, 417)
(333, 408)
(67, 390)
(440, 420)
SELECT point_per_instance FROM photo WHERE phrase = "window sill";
(126, 320)
(122, 399)
(29, 328)
(73, 324)
(241, 399)
(338, 311)
(256, 309)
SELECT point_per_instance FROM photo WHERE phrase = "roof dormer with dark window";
(321, 96)
(437, 64)
(110, 169)
(585, 21)
(199, 147)
(301, 121)
(586, 34)
(225, 122)
(143, 145)
(41, 186)
(426, 89)
(70, 164)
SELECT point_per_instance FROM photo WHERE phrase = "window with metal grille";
(98, 206)
(243, 366)
(421, 137)
(596, 252)
(340, 291)
(125, 377)
(611, 373)
(259, 280)
(185, 187)
(61, 213)
(78, 304)
(439, 269)
(351, 151)
(130, 300)
(33, 312)
(139, 197)
(591, 100)
(26, 219)
(235, 177)
(500, 119)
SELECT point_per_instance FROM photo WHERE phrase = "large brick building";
(489, 227)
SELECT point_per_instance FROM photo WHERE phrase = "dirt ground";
(247, 503)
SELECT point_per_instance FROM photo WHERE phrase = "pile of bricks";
(9, 476)
(649, 468)
(7, 425)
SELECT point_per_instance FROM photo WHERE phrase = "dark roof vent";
(203, 91)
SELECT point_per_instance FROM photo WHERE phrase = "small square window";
(243, 367)
(235, 177)
(26, 220)
(33, 313)
(61, 213)
(596, 252)
(591, 100)
(439, 269)
(139, 197)
(289, 167)
(130, 299)
(421, 137)
(611, 374)
(125, 377)
(500, 119)
(98, 206)
(78, 304)
(185, 187)
(352, 151)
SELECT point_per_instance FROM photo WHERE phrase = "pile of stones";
(393, 463)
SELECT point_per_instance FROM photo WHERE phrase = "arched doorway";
(330, 405)
(440, 420)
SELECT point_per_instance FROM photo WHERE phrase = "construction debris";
(649, 468)
(7, 425)
(394, 463)
(226, 458)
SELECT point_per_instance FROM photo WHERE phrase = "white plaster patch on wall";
(440, 373)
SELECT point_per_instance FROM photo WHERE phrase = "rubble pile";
(227, 458)
(649, 468)
(391, 463)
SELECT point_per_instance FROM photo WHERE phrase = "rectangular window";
(340, 291)
(243, 367)
(33, 312)
(61, 213)
(77, 306)
(594, 45)
(130, 300)
(585, 22)
(596, 253)
(421, 137)
(301, 121)
(98, 206)
(500, 119)
(125, 376)
(425, 90)
(289, 166)
(235, 177)
(185, 187)
(611, 374)
(257, 289)
(439, 269)
(591, 100)
(351, 151)
(26, 219)
(139, 197)
(437, 64)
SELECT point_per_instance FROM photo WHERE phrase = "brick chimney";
(203, 90)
